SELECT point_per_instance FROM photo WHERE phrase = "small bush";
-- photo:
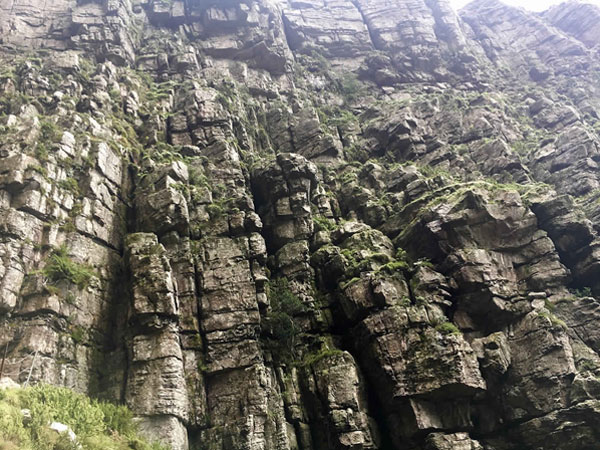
(198, 178)
(69, 184)
(283, 299)
(97, 425)
(78, 334)
(12, 431)
(61, 267)
(350, 87)
(53, 404)
(49, 132)
(349, 283)
(587, 365)
(215, 210)
(323, 223)
(395, 266)
(279, 325)
(38, 169)
(312, 358)
(118, 419)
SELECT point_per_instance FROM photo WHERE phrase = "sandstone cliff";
(307, 225)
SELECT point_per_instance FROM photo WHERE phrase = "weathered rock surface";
(338, 28)
(579, 19)
(306, 225)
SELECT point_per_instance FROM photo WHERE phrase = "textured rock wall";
(306, 225)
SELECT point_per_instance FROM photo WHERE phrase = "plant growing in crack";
(279, 325)
(61, 267)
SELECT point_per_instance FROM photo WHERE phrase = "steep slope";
(306, 225)
(577, 18)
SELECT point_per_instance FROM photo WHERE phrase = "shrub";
(55, 404)
(61, 267)
(78, 334)
(69, 184)
(118, 419)
(279, 325)
(587, 365)
(324, 224)
(350, 87)
(395, 266)
(283, 299)
(557, 323)
(97, 425)
(325, 352)
(12, 433)
(215, 210)
(49, 132)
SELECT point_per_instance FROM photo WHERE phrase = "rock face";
(306, 225)
(579, 19)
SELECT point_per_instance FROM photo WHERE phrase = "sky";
(534, 5)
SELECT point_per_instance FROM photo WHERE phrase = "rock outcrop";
(306, 225)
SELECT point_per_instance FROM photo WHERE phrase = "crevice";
(286, 32)
(372, 36)
(375, 407)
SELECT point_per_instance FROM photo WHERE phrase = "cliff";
(306, 225)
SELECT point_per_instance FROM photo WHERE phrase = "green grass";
(97, 425)
(557, 323)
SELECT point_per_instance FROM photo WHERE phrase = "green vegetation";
(325, 352)
(583, 292)
(313, 60)
(587, 365)
(197, 177)
(215, 210)
(12, 103)
(38, 169)
(201, 366)
(447, 328)
(395, 266)
(49, 132)
(97, 425)
(279, 325)
(220, 206)
(71, 185)
(324, 224)
(555, 321)
(60, 267)
(351, 88)
(348, 283)
(78, 334)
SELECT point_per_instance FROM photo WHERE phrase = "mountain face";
(307, 225)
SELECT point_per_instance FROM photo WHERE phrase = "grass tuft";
(97, 425)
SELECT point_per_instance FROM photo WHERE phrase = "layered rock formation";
(306, 225)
